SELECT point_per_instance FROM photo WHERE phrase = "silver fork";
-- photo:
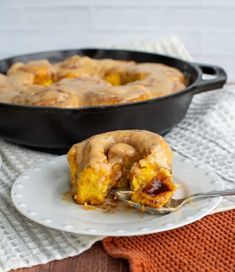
(173, 204)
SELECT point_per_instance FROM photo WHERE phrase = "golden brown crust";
(40, 96)
(41, 70)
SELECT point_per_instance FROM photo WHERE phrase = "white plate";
(38, 195)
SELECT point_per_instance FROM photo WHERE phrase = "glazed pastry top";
(104, 150)
(83, 82)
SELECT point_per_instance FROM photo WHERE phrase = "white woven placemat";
(206, 134)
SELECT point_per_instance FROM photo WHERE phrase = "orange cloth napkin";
(206, 245)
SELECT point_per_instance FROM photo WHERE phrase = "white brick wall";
(207, 27)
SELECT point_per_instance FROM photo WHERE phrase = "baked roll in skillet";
(94, 82)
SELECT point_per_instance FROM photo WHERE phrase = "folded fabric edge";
(109, 247)
(135, 263)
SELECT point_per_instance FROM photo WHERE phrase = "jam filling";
(155, 187)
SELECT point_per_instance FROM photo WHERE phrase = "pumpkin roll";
(136, 160)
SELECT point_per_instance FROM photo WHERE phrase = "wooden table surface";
(93, 260)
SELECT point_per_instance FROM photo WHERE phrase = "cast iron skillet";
(56, 128)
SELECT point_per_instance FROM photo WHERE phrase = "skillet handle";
(217, 82)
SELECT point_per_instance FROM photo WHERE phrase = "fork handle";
(215, 193)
